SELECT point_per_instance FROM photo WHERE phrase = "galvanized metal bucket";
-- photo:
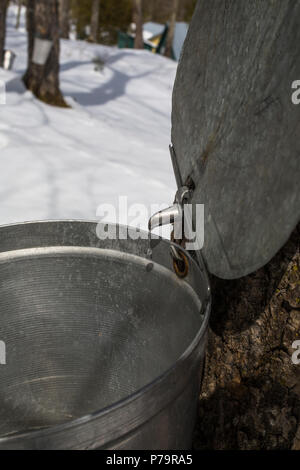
(104, 347)
(41, 50)
(8, 59)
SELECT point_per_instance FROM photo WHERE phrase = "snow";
(63, 163)
(180, 33)
(151, 30)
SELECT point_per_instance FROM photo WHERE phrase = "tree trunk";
(232, 110)
(151, 10)
(3, 8)
(19, 14)
(171, 32)
(94, 36)
(64, 18)
(250, 397)
(138, 20)
(43, 80)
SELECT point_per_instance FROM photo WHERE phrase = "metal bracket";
(175, 214)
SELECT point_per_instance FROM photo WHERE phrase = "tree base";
(250, 397)
(53, 98)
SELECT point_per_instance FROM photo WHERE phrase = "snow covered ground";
(63, 163)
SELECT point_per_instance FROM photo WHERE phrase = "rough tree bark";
(138, 20)
(43, 80)
(64, 18)
(3, 8)
(250, 397)
(171, 32)
(94, 36)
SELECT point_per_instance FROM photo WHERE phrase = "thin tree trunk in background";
(171, 32)
(138, 20)
(19, 14)
(94, 36)
(151, 10)
(64, 18)
(30, 5)
(43, 80)
(3, 8)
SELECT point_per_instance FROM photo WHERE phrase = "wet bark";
(94, 37)
(64, 18)
(171, 32)
(43, 80)
(138, 20)
(3, 9)
(250, 397)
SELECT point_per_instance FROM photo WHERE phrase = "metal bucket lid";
(236, 131)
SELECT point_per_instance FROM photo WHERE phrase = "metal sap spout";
(164, 217)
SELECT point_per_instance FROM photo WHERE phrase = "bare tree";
(3, 9)
(64, 18)
(43, 78)
(138, 20)
(250, 397)
(20, 3)
(171, 32)
(94, 36)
